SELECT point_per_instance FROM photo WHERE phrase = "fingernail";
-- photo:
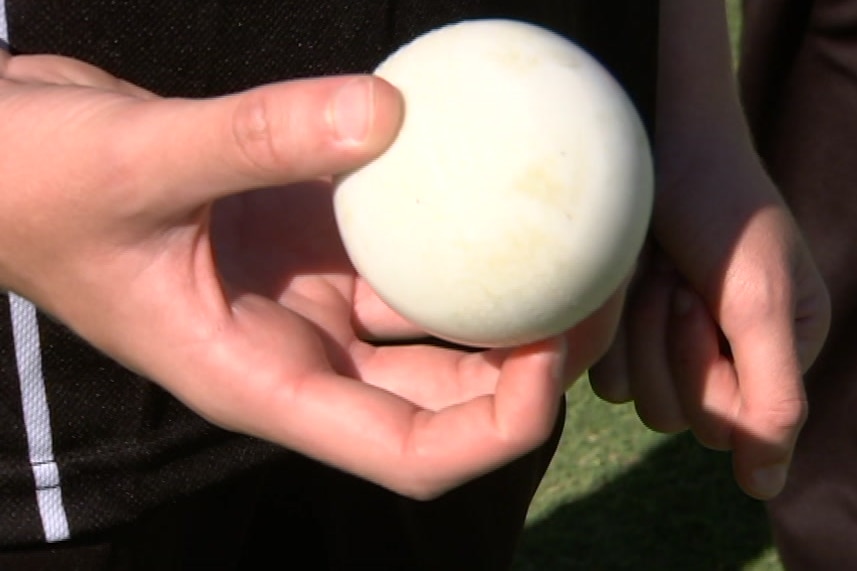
(352, 109)
(770, 481)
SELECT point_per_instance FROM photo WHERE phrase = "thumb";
(272, 135)
(773, 406)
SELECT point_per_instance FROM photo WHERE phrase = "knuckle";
(714, 435)
(664, 420)
(787, 415)
(610, 389)
(775, 421)
(664, 424)
(256, 134)
(420, 481)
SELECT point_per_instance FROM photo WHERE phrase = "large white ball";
(517, 195)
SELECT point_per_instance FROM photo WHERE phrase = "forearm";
(705, 158)
(698, 105)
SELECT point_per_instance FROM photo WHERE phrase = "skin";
(193, 241)
(727, 310)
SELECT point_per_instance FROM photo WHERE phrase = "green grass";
(619, 496)
(733, 10)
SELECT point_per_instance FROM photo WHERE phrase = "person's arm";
(730, 309)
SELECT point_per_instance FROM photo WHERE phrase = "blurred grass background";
(621, 497)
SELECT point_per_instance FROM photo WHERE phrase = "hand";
(719, 327)
(729, 310)
(128, 217)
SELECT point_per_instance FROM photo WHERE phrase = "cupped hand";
(193, 241)
(728, 310)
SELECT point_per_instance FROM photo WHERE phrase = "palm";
(282, 244)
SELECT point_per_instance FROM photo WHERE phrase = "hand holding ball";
(517, 194)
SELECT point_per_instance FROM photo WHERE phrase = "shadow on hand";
(677, 508)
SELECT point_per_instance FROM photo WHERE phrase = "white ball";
(515, 198)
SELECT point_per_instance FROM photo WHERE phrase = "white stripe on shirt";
(4, 28)
(37, 419)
